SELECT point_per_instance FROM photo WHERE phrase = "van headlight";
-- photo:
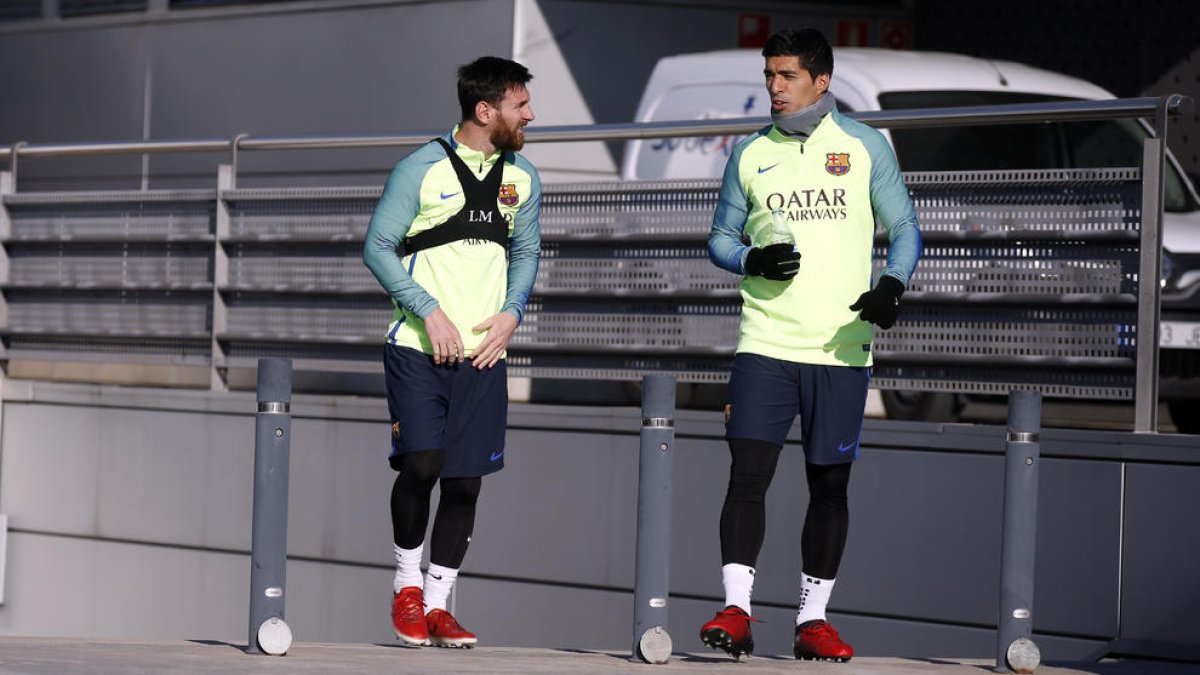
(1168, 271)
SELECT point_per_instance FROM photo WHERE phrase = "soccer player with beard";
(454, 241)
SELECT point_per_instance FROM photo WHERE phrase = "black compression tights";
(455, 519)
(828, 519)
(743, 517)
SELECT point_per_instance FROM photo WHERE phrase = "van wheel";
(921, 406)
(1185, 415)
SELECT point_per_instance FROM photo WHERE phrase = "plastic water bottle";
(780, 232)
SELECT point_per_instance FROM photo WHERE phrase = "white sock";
(438, 583)
(814, 596)
(408, 567)
(739, 583)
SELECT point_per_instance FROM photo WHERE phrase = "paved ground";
(68, 657)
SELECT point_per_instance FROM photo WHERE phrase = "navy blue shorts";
(455, 408)
(766, 394)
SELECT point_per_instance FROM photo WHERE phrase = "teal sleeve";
(399, 205)
(525, 247)
(726, 241)
(893, 208)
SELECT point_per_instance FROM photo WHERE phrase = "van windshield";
(1060, 145)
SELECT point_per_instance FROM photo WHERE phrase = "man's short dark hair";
(806, 43)
(488, 78)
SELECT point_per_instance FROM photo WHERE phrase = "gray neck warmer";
(802, 122)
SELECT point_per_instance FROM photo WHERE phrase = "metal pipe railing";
(1155, 108)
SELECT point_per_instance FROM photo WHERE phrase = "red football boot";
(818, 640)
(445, 631)
(729, 630)
(408, 616)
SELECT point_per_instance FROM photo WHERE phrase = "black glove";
(777, 262)
(881, 304)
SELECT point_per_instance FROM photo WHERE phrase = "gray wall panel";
(49, 469)
(923, 525)
(326, 72)
(329, 72)
(85, 86)
(1078, 547)
(174, 477)
(68, 86)
(567, 618)
(563, 509)
(337, 603)
(71, 586)
(167, 477)
(556, 530)
(338, 498)
(1162, 555)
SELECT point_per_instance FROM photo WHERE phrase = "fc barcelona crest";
(837, 163)
(508, 194)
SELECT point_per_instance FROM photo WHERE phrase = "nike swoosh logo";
(846, 448)
(436, 576)
(764, 169)
(448, 196)
(497, 455)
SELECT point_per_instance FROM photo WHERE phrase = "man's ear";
(821, 82)
(483, 112)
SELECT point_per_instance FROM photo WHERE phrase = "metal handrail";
(1021, 113)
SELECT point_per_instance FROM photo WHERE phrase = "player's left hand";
(499, 328)
(881, 305)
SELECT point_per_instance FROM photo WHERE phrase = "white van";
(729, 84)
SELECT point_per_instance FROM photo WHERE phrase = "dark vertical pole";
(268, 552)
(651, 642)
(1022, 448)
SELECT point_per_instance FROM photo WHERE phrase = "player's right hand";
(777, 262)
(444, 338)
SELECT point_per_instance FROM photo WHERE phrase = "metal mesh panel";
(130, 314)
(108, 349)
(70, 8)
(314, 318)
(1018, 334)
(20, 9)
(363, 358)
(105, 265)
(301, 215)
(334, 267)
(297, 287)
(633, 326)
(121, 216)
(1028, 279)
(1069, 271)
(110, 276)
(605, 366)
(650, 268)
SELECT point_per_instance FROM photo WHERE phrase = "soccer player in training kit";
(796, 216)
(454, 241)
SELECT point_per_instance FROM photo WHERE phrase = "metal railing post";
(268, 552)
(1022, 448)
(1149, 294)
(220, 278)
(651, 642)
